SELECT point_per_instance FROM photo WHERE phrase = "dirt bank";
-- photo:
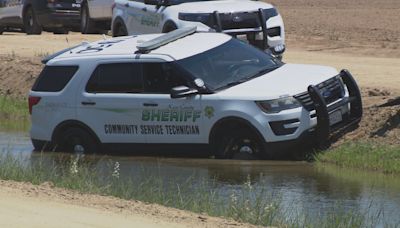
(27, 205)
(366, 27)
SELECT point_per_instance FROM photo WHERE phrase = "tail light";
(32, 102)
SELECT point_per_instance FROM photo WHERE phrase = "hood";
(223, 6)
(289, 79)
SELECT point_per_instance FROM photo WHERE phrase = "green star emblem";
(209, 111)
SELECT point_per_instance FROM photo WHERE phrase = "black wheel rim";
(241, 148)
(75, 145)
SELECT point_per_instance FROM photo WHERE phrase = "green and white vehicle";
(160, 90)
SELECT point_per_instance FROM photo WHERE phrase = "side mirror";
(182, 91)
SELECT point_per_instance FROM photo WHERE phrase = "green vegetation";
(14, 114)
(364, 155)
(244, 202)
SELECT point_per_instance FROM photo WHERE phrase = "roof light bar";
(165, 39)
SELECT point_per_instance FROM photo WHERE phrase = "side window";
(116, 78)
(161, 77)
(54, 78)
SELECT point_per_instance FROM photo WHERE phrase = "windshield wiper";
(257, 74)
(263, 71)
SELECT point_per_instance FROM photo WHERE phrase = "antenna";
(66, 39)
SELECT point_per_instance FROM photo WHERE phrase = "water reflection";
(302, 186)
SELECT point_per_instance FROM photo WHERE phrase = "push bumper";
(324, 130)
(252, 33)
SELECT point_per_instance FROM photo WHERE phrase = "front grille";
(275, 31)
(239, 20)
(331, 90)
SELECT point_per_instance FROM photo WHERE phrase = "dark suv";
(34, 16)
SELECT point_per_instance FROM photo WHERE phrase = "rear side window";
(161, 77)
(116, 78)
(54, 78)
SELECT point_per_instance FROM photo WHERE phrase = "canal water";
(302, 186)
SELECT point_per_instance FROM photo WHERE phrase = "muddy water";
(302, 186)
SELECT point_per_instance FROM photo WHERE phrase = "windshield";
(229, 64)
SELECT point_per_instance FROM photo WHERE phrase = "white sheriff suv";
(161, 90)
(258, 23)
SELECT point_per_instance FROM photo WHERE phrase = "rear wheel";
(239, 143)
(87, 24)
(31, 24)
(1, 30)
(77, 140)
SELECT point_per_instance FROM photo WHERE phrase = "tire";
(31, 23)
(169, 26)
(77, 140)
(239, 143)
(87, 24)
(120, 30)
(1, 30)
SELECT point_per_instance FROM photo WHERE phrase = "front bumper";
(263, 37)
(339, 95)
(324, 130)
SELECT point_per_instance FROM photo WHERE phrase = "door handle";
(150, 104)
(88, 103)
(144, 9)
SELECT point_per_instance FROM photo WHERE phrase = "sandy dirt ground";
(27, 205)
(362, 36)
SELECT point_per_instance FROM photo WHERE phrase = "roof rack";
(150, 45)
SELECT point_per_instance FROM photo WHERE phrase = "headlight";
(199, 17)
(277, 105)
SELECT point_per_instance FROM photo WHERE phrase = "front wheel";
(78, 141)
(239, 144)
(31, 23)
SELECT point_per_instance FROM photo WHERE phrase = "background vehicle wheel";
(78, 141)
(120, 30)
(1, 30)
(239, 143)
(31, 24)
(87, 24)
(169, 26)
